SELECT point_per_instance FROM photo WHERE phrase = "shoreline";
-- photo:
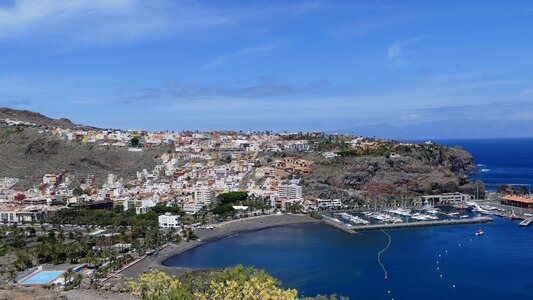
(206, 236)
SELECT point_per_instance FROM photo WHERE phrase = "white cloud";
(103, 20)
(395, 52)
(222, 59)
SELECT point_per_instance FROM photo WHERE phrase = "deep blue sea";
(447, 262)
(500, 161)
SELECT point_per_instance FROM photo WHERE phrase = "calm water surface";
(317, 259)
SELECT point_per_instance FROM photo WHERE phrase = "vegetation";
(103, 218)
(230, 283)
(316, 215)
(100, 252)
(232, 197)
(134, 142)
(57, 203)
(224, 205)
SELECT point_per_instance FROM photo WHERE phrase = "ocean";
(500, 161)
(448, 262)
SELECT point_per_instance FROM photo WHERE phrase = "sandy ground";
(38, 293)
(206, 236)
(25, 292)
(96, 295)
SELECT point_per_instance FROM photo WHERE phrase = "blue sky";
(380, 68)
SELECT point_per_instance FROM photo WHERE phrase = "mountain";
(37, 118)
(28, 153)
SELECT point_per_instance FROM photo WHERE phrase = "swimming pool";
(43, 277)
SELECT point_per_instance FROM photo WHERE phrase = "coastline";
(223, 230)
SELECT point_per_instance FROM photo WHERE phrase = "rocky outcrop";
(364, 178)
(512, 190)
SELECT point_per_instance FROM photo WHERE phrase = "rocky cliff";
(381, 178)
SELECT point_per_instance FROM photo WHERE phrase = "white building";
(111, 178)
(204, 196)
(447, 198)
(192, 207)
(290, 191)
(8, 216)
(169, 220)
(328, 203)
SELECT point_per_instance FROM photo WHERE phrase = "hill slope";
(380, 178)
(37, 118)
(28, 155)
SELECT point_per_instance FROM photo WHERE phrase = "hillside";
(380, 178)
(37, 118)
(356, 176)
(28, 155)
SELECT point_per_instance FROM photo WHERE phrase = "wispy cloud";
(94, 21)
(105, 21)
(395, 52)
(223, 59)
(266, 88)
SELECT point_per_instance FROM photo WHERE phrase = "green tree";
(134, 141)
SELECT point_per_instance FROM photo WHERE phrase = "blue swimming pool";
(43, 277)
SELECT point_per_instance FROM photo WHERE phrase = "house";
(296, 165)
(169, 220)
(516, 201)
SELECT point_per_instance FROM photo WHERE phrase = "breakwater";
(358, 228)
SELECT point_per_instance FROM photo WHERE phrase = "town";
(100, 226)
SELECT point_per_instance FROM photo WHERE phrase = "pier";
(358, 228)
(347, 228)
(526, 222)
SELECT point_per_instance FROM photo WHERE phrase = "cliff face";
(368, 178)
(28, 155)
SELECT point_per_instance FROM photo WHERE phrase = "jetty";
(526, 222)
(358, 228)
(347, 228)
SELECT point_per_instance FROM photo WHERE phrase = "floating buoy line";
(380, 252)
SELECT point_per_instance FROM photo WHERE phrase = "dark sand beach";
(222, 230)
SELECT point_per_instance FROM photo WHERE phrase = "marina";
(372, 227)
(427, 216)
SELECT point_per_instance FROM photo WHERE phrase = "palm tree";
(90, 259)
(68, 275)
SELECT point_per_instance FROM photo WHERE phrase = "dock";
(526, 222)
(340, 226)
(358, 228)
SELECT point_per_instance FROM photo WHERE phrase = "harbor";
(351, 229)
